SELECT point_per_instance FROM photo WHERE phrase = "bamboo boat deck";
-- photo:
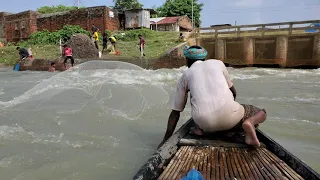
(228, 163)
(223, 155)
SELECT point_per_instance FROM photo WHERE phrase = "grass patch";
(155, 47)
(9, 54)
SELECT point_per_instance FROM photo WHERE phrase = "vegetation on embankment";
(45, 45)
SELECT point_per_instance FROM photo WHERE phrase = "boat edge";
(295, 163)
(151, 169)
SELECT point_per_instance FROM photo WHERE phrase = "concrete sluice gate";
(277, 51)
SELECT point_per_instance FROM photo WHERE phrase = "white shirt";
(212, 102)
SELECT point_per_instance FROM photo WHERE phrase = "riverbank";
(156, 46)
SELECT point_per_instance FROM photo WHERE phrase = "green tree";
(58, 8)
(127, 4)
(180, 8)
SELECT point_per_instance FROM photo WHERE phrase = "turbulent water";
(104, 119)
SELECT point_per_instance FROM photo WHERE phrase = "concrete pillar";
(220, 49)
(198, 41)
(282, 50)
(248, 51)
(316, 49)
(191, 42)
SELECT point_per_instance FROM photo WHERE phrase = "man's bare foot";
(250, 132)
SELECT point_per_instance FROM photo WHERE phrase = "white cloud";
(246, 3)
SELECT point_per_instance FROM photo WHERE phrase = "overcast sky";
(214, 12)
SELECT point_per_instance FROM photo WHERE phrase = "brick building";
(20, 26)
(177, 23)
(2, 20)
(103, 17)
(17, 27)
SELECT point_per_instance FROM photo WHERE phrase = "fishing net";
(117, 88)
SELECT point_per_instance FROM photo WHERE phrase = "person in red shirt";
(141, 45)
(67, 52)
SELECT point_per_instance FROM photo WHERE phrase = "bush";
(46, 37)
(133, 34)
(108, 33)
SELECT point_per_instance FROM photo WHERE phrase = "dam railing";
(261, 30)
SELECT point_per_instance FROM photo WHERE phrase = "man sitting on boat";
(212, 97)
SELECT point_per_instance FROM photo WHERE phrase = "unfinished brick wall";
(100, 16)
(20, 26)
(2, 32)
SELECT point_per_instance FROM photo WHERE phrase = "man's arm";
(234, 92)
(171, 126)
(179, 104)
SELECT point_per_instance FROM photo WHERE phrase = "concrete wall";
(20, 26)
(102, 16)
(284, 51)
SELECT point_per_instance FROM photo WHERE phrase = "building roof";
(152, 11)
(154, 20)
(169, 20)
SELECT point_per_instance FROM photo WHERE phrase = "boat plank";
(251, 164)
(235, 158)
(182, 161)
(248, 171)
(204, 166)
(283, 166)
(221, 164)
(209, 163)
(260, 166)
(171, 165)
(213, 165)
(281, 169)
(216, 163)
(184, 170)
(242, 163)
(268, 165)
(225, 165)
(233, 164)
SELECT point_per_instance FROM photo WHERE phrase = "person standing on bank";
(212, 97)
(104, 41)
(67, 52)
(96, 39)
(141, 45)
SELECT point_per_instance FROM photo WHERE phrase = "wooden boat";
(223, 155)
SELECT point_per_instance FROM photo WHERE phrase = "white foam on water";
(2, 91)
(286, 99)
(17, 133)
(254, 73)
(295, 120)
